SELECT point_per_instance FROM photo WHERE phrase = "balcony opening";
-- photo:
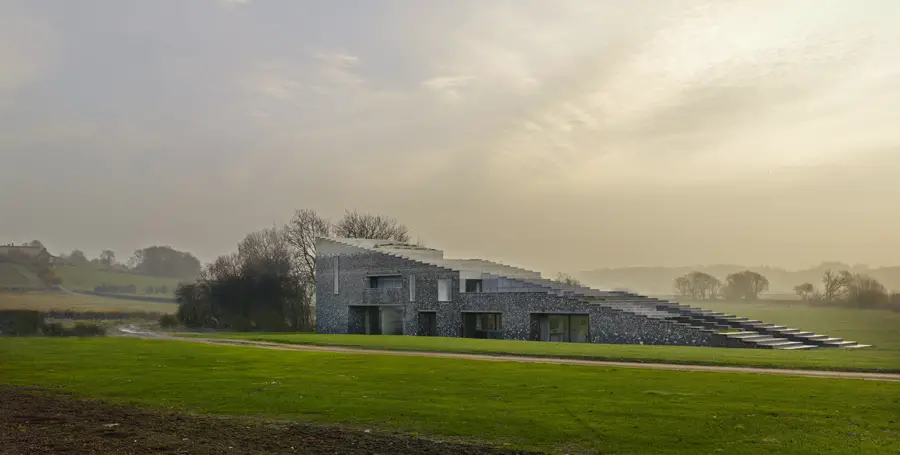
(474, 285)
(386, 282)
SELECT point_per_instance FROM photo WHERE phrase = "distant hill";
(659, 280)
(82, 278)
(17, 276)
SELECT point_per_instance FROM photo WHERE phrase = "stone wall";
(518, 309)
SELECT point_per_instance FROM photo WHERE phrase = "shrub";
(82, 329)
(54, 329)
(168, 321)
(20, 322)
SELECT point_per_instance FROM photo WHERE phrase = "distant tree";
(866, 292)
(835, 285)
(567, 280)
(36, 243)
(166, 261)
(107, 258)
(746, 285)
(805, 290)
(698, 286)
(368, 226)
(77, 257)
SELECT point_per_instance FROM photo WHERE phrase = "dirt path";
(526, 359)
(37, 421)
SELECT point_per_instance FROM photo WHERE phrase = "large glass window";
(473, 285)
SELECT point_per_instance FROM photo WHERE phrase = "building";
(35, 256)
(382, 287)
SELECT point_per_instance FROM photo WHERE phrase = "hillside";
(86, 279)
(659, 280)
(17, 276)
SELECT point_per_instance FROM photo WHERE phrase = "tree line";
(856, 290)
(159, 261)
(269, 283)
(848, 289)
(746, 285)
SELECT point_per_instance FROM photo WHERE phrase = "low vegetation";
(31, 323)
(560, 408)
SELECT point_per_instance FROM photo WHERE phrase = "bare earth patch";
(37, 421)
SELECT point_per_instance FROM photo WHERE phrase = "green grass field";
(17, 276)
(86, 279)
(567, 409)
(880, 328)
(47, 301)
(820, 359)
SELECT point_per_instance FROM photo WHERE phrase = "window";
(443, 290)
(412, 288)
(337, 275)
(473, 285)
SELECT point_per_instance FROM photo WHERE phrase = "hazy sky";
(560, 135)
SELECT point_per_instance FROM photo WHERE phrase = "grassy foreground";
(821, 359)
(550, 407)
(47, 301)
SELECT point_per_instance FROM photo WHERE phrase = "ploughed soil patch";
(36, 421)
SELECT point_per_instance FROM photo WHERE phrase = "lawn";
(880, 328)
(17, 276)
(549, 407)
(819, 359)
(87, 278)
(47, 301)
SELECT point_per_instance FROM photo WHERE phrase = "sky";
(559, 135)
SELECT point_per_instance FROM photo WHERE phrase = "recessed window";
(473, 285)
(412, 288)
(337, 275)
(443, 290)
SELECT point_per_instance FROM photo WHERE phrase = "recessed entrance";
(483, 325)
(376, 320)
(573, 328)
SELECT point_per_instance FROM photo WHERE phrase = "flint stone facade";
(343, 311)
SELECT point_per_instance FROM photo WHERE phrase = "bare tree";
(836, 285)
(303, 230)
(367, 226)
(805, 290)
(698, 286)
(107, 258)
(746, 285)
(266, 251)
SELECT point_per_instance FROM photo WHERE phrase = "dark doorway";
(427, 324)
(374, 320)
(483, 325)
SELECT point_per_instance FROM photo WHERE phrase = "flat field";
(47, 301)
(556, 408)
(87, 278)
